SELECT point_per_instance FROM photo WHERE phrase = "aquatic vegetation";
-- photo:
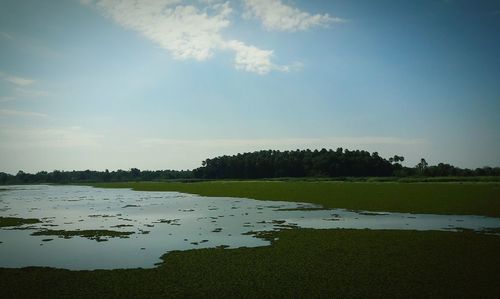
(168, 221)
(434, 198)
(98, 235)
(372, 213)
(122, 225)
(299, 263)
(303, 209)
(131, 206)
(103, 216)
(14, 221)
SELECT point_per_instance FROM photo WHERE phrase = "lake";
(159, 222)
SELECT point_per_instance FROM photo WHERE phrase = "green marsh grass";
(464, 198)
(301, 263)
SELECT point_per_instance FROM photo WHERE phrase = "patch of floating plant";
(97, 235)
(23, 227)
(371, 213)
(303, 209)
(265, 235)
(14, 221)
(286, 226)
(278, 221)
(131, 206)
(168, 221)
(122, 225)
(200, 242)
(186, 210)
(332, 219)
(126, 219)
(103, 215)
(273, 207)
(217, 230)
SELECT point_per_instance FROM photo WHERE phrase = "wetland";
(86, 228)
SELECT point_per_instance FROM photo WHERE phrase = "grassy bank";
(302, 263)
(438, 198)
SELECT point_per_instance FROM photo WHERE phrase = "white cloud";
(187, 31)
(20, 88)
(5, 35)
(63, 137)
(16, 80)
(6, 98)
(23, 92)
(275, 15)
(184, 30)
(8, 112)
(249, 58)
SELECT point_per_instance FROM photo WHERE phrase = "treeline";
(299, 163)
(323, 163)
(91, 176)
(264, 164)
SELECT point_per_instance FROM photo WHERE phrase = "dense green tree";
(298, 163)
(422, 166)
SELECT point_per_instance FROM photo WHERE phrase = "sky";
(165, 84)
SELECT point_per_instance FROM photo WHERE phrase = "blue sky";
(164, 84)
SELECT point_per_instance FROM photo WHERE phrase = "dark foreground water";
(166, 221)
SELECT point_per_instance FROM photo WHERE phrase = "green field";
(302, 263)
(463, 198)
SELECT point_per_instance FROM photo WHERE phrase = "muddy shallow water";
(166, 221)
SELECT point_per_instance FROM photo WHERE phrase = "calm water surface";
(167, 221)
